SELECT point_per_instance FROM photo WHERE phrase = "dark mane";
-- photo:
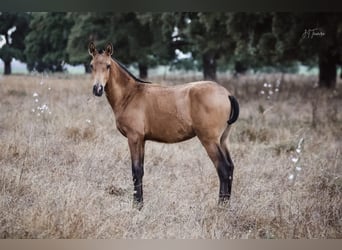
(128, 72)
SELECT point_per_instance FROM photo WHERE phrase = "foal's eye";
(91, 66)
(108, 66)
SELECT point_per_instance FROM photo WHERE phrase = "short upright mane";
(128, 72)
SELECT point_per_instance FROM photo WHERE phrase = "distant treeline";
(214, 41)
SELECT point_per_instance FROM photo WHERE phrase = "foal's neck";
(120, 88)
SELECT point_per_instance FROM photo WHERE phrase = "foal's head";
(100, 67)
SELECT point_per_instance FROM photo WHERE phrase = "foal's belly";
(169, 129)
(169, 139)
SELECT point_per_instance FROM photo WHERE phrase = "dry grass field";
(65, 169)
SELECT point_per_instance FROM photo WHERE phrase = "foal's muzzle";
(98, 89)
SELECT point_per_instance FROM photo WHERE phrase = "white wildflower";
(300, 142)
(294, 159)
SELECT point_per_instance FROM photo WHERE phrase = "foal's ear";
(109, 49)
(92, 49)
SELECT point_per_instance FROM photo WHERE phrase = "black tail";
(235, 110)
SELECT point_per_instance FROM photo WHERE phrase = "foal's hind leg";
(224, 147)
(223, 167)
(230, 167)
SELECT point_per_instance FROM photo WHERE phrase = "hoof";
(138, 205)
(224, 200)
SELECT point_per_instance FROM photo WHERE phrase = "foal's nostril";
(98, 89)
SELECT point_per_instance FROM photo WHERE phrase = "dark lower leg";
(225, 171)
(225, 191)
(136, 146)
(227, 155)
(224, 167)
(138, 173)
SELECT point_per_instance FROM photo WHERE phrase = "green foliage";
(46, 42)
(160, 27)
(133, 39)
(138, 39)
(13, 27)
(87, 27)
(205, 36)
(216, 40)
(7, 52)
(279, 40)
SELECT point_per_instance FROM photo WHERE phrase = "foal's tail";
(235, 110)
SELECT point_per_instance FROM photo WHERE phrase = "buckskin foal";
(169, 114)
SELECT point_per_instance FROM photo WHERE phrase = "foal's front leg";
(136, 146)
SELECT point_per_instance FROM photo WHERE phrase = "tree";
(134, 40)
(87, 27)
(315, 39)
(283, 38)
(213, 42)
(13, 27)
(205, 35)
(46, 42)
(137, 38)
(166, 38)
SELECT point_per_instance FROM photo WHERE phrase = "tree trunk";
(143, 73)
(59, 68)
(209, 67)
(7, 69)
(7, 61)
(327, 69)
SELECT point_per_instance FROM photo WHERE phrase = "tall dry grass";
(65, 170)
